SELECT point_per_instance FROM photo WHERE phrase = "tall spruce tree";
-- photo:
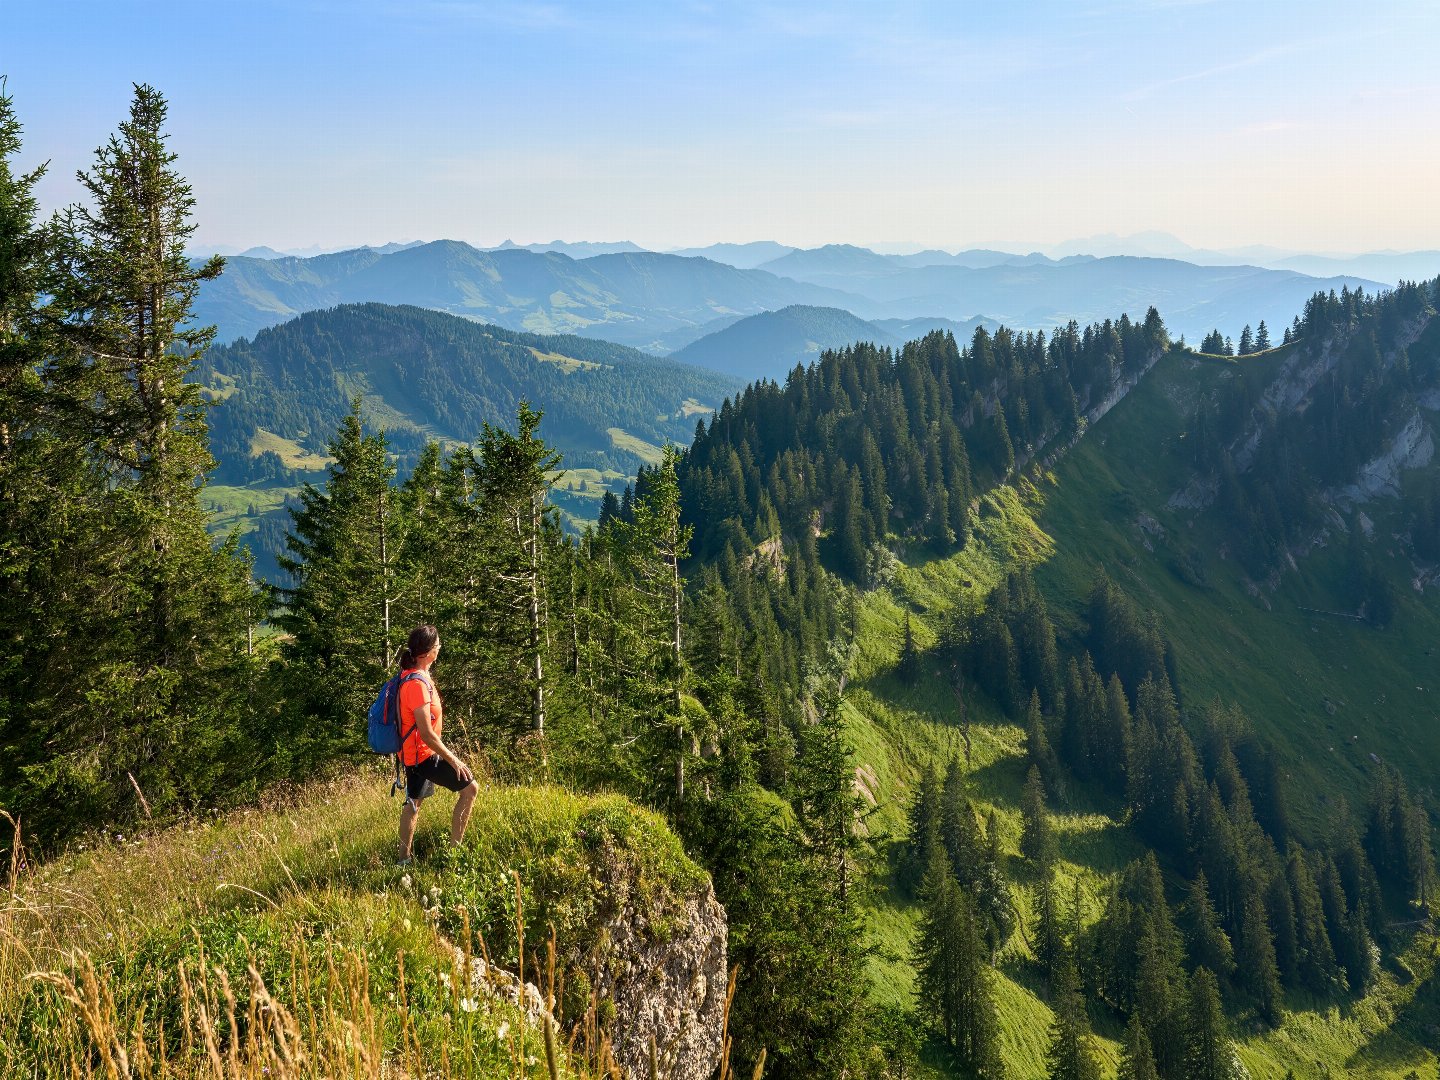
(1037, 837)
(953, 977)
(518, 469)
(1071, 1054)
(1207, 1054)
(1137, 1061)
(342, 555)
(156, 666)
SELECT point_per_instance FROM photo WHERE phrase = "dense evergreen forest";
(692, 650)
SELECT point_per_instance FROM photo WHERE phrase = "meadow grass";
(282, 941)
(291, 453)
(621, 439)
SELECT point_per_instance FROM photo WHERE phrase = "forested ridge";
(437, 376)
(698, 649)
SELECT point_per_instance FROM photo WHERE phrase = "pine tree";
(158, 664)
(1247, 341)
(1049, 933)
(1037, 838)
(1037, 746)
(342, 555)
(1316, 964)
(518, 470)
(1071, 1055)
(909, 667)
(1137, 1061)
(1209, 947)
(1208, 1054)
(1255, 956)
(953, 978)
(923, 834)
(1262, 337)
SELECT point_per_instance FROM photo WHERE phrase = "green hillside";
(1325, 687)
(423, 376)
(1258, 533)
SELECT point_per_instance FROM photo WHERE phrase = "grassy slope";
(1325, 690)
(1280, 664)
(267, 885)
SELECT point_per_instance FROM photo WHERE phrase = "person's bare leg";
(461, 817)
(409, 816)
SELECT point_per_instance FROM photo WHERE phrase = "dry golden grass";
(279, 942)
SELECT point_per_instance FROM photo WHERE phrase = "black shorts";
(420, 780)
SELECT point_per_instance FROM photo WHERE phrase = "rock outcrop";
(665, 974)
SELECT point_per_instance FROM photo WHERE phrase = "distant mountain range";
(1040, 293)
(769, 345)
(630, 297)
(664, 303)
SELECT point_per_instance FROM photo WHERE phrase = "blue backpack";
(385, 734)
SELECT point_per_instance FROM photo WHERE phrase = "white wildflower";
(445, 979)
(503, 1030)
(405, 882)
(469, 1004)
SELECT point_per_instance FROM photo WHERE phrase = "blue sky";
(1312, 126)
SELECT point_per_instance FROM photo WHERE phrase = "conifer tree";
(1316, 964)
(342, 555)
(158, 651)
(1255, 956)
(953, 977)
(1209, 947)
(517, 471)
(1037, 838)
(909, 666)
(1137, 1061)
(1038, 750)
(1208, 1054)
(1071, 1054)
(1262, 337)
(1049, 933)
(923, 833)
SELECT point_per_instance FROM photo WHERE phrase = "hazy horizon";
(318, 123)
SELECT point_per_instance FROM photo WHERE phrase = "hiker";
(428, 761)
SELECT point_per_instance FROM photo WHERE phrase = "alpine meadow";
(1006, 662)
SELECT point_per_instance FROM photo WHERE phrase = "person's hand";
(463, 771)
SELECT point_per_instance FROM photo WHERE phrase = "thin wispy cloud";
(1255, 59)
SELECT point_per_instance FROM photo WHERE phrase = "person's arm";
(434, 742)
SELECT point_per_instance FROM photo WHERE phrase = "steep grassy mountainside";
(632, 297)
(425, 375)
(1335, 690)
(1334, 694)
(898, 727)
(289, 931)
(1260, 533)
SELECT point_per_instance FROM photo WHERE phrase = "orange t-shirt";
(413, 694)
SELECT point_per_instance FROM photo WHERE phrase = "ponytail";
(422, 640)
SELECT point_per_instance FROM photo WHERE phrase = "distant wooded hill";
(771, 344)
(426, 375)
(1041, 293)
